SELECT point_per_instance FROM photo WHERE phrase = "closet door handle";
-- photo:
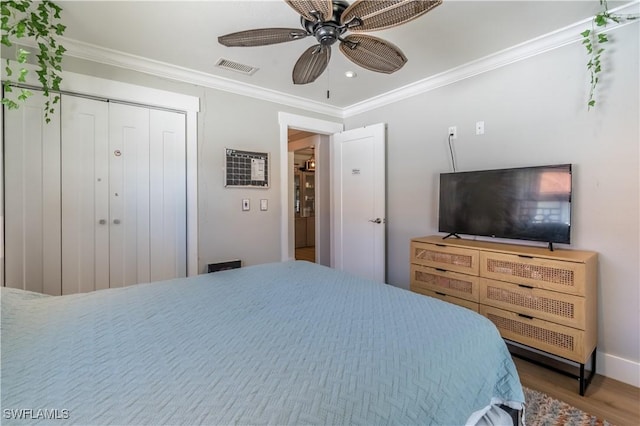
(116, 221)
(102, 221)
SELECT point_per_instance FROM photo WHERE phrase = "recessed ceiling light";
(350, 74)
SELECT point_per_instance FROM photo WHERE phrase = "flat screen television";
(527, 203)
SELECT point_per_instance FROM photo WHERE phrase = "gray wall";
(535, 113)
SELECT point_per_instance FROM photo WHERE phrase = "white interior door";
(32, 202)
(85, 194)
(359, 190)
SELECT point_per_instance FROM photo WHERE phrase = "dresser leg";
(585, 382)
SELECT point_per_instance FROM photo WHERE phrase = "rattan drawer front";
(562, 276)
(455, 300)
(445, 257)
(563, 341)
(565, 309)
(446, 282)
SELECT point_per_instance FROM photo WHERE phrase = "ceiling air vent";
(235, 66)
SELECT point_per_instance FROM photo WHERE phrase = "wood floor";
(306, 253)
(608, 399)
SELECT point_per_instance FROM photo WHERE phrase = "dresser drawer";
(445, 257)
(445, 282)
(565, 277)
(451, 299)
(547, 336)
(547, 305)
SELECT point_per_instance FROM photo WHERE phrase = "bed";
(281, 343)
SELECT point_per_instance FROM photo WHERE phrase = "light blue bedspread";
(283, 343)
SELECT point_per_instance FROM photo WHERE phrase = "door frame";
(309, 124)
(86, 85)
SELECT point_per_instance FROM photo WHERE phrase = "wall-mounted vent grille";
(235, 66)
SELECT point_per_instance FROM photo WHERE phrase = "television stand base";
(550, 246)
(453, 234)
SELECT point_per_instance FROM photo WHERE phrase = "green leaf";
(9, 103)
(22, 56)
(585, 33)
(23, 75)
(592, 102)
(600, 20)
(24, 95)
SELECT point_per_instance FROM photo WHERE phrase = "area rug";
(543, 410)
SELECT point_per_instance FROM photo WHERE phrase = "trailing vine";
(40, 22)
(595, 41)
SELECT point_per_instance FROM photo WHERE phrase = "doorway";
(303, 145)
(320, 130)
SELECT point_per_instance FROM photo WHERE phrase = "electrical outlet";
(479, 127)
(453, 132)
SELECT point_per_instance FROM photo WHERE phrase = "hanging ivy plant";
(595, 42)
(38, 21)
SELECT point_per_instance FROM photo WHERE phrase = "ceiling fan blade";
(311, 64)
(371, 15)
(307, 8)
(261, 37)
(373, 53)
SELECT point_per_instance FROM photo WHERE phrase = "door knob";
(376, 220)
(116, 221)
(102, 221)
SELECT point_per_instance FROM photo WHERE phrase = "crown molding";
(545, 43)
(528, 49)
(93, 53)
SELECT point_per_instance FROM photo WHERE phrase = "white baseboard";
(611, 366)
(617, 368)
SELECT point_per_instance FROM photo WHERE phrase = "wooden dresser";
(539, 298)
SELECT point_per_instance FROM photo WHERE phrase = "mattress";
(281, 343)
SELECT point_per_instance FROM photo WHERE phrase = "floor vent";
(235, 66)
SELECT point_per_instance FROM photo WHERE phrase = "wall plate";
(245, 205)
(264, 204)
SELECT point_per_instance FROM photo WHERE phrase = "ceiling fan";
(327, 21)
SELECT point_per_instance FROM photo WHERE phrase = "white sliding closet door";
(85, 195)
(129, 194)
(96, 198)
(32, 201)
(168, 196)
(148, 195)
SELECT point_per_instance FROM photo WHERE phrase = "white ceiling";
(184, 33)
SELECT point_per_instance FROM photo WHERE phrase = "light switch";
(264, 205)
(245, 204)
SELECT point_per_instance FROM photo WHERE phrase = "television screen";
(528, 203)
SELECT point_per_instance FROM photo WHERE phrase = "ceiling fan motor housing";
(327, 32)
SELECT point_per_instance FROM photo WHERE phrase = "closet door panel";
(129, 194)
(32, 198)
(85, 195)
(168, 195)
